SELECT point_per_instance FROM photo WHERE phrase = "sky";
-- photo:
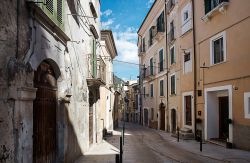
(124, 18)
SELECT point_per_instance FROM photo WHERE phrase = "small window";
(161, 88)
(187, 66)
(151, 67)
(185, 15)
(218, 48)
(247, 105)
(172, 85)
(187, 57)
(218, 51)
(161, 61)
(151, 90)
(172, 55)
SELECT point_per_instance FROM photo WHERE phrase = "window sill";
(212, 65)
(220, 8)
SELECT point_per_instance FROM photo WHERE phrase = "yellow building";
(222, 48)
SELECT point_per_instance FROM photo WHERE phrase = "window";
(54, 10)
(188, 110)
(187, 57)
(185, 16)
(151, 67)
(144, 92)
(151, 90)
(151, 35)
(172, 85)
(187, 63)
(143, 45)
(161, 87)
(161, 61)
(172, 55)
(218, 48)
(171, 32)
(160, 23)
(211, 4)
(247, 104)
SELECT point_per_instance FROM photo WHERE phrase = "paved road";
(143, 145)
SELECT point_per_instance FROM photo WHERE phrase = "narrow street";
(144, 145)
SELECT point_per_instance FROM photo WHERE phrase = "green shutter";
(54, 9)
(94, 62)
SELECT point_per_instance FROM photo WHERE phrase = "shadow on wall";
(72, 149)
(74, 7)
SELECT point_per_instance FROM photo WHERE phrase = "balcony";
(149, 73)
(171, 35)
(221, 6)
(141, 51)
(96, 72)
(170, 5)
(159, 34)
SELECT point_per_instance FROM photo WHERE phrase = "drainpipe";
(17, 26)
(166, 63)
(195, 75)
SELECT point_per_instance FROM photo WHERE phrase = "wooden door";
(173, 120)
(44, 116)
(162, 127)
(146, 117)
(223, 118)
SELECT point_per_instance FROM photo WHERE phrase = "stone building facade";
(44, 82)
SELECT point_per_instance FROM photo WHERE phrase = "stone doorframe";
(208, 104)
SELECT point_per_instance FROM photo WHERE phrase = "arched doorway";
(173, 120)
(162, 117)
(44, 114)
(91, 103)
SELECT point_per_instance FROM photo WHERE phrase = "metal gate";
(44, 116)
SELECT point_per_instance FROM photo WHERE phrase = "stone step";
(185, 130)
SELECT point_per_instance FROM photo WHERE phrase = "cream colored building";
(223, 76)
(107, 92)
(180, 67)
(153, 67)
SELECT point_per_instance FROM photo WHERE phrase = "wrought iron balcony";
(171, 35)
(96, 72)
(149, 72)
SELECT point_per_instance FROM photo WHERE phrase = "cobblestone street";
(143, 145)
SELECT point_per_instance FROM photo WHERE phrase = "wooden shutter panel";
(60, 11)
(50, 6)
(94, 62)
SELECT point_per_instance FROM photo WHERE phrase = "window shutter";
(94, 65)
(50, 6)
(60, 11)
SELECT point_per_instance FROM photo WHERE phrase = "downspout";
(17, 27)
(195, 75)
(166, 63)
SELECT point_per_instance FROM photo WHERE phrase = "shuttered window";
(211, 4)
(172, 85)
(161, 88)
(54, 10)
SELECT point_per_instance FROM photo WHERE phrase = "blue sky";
(124, 18)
